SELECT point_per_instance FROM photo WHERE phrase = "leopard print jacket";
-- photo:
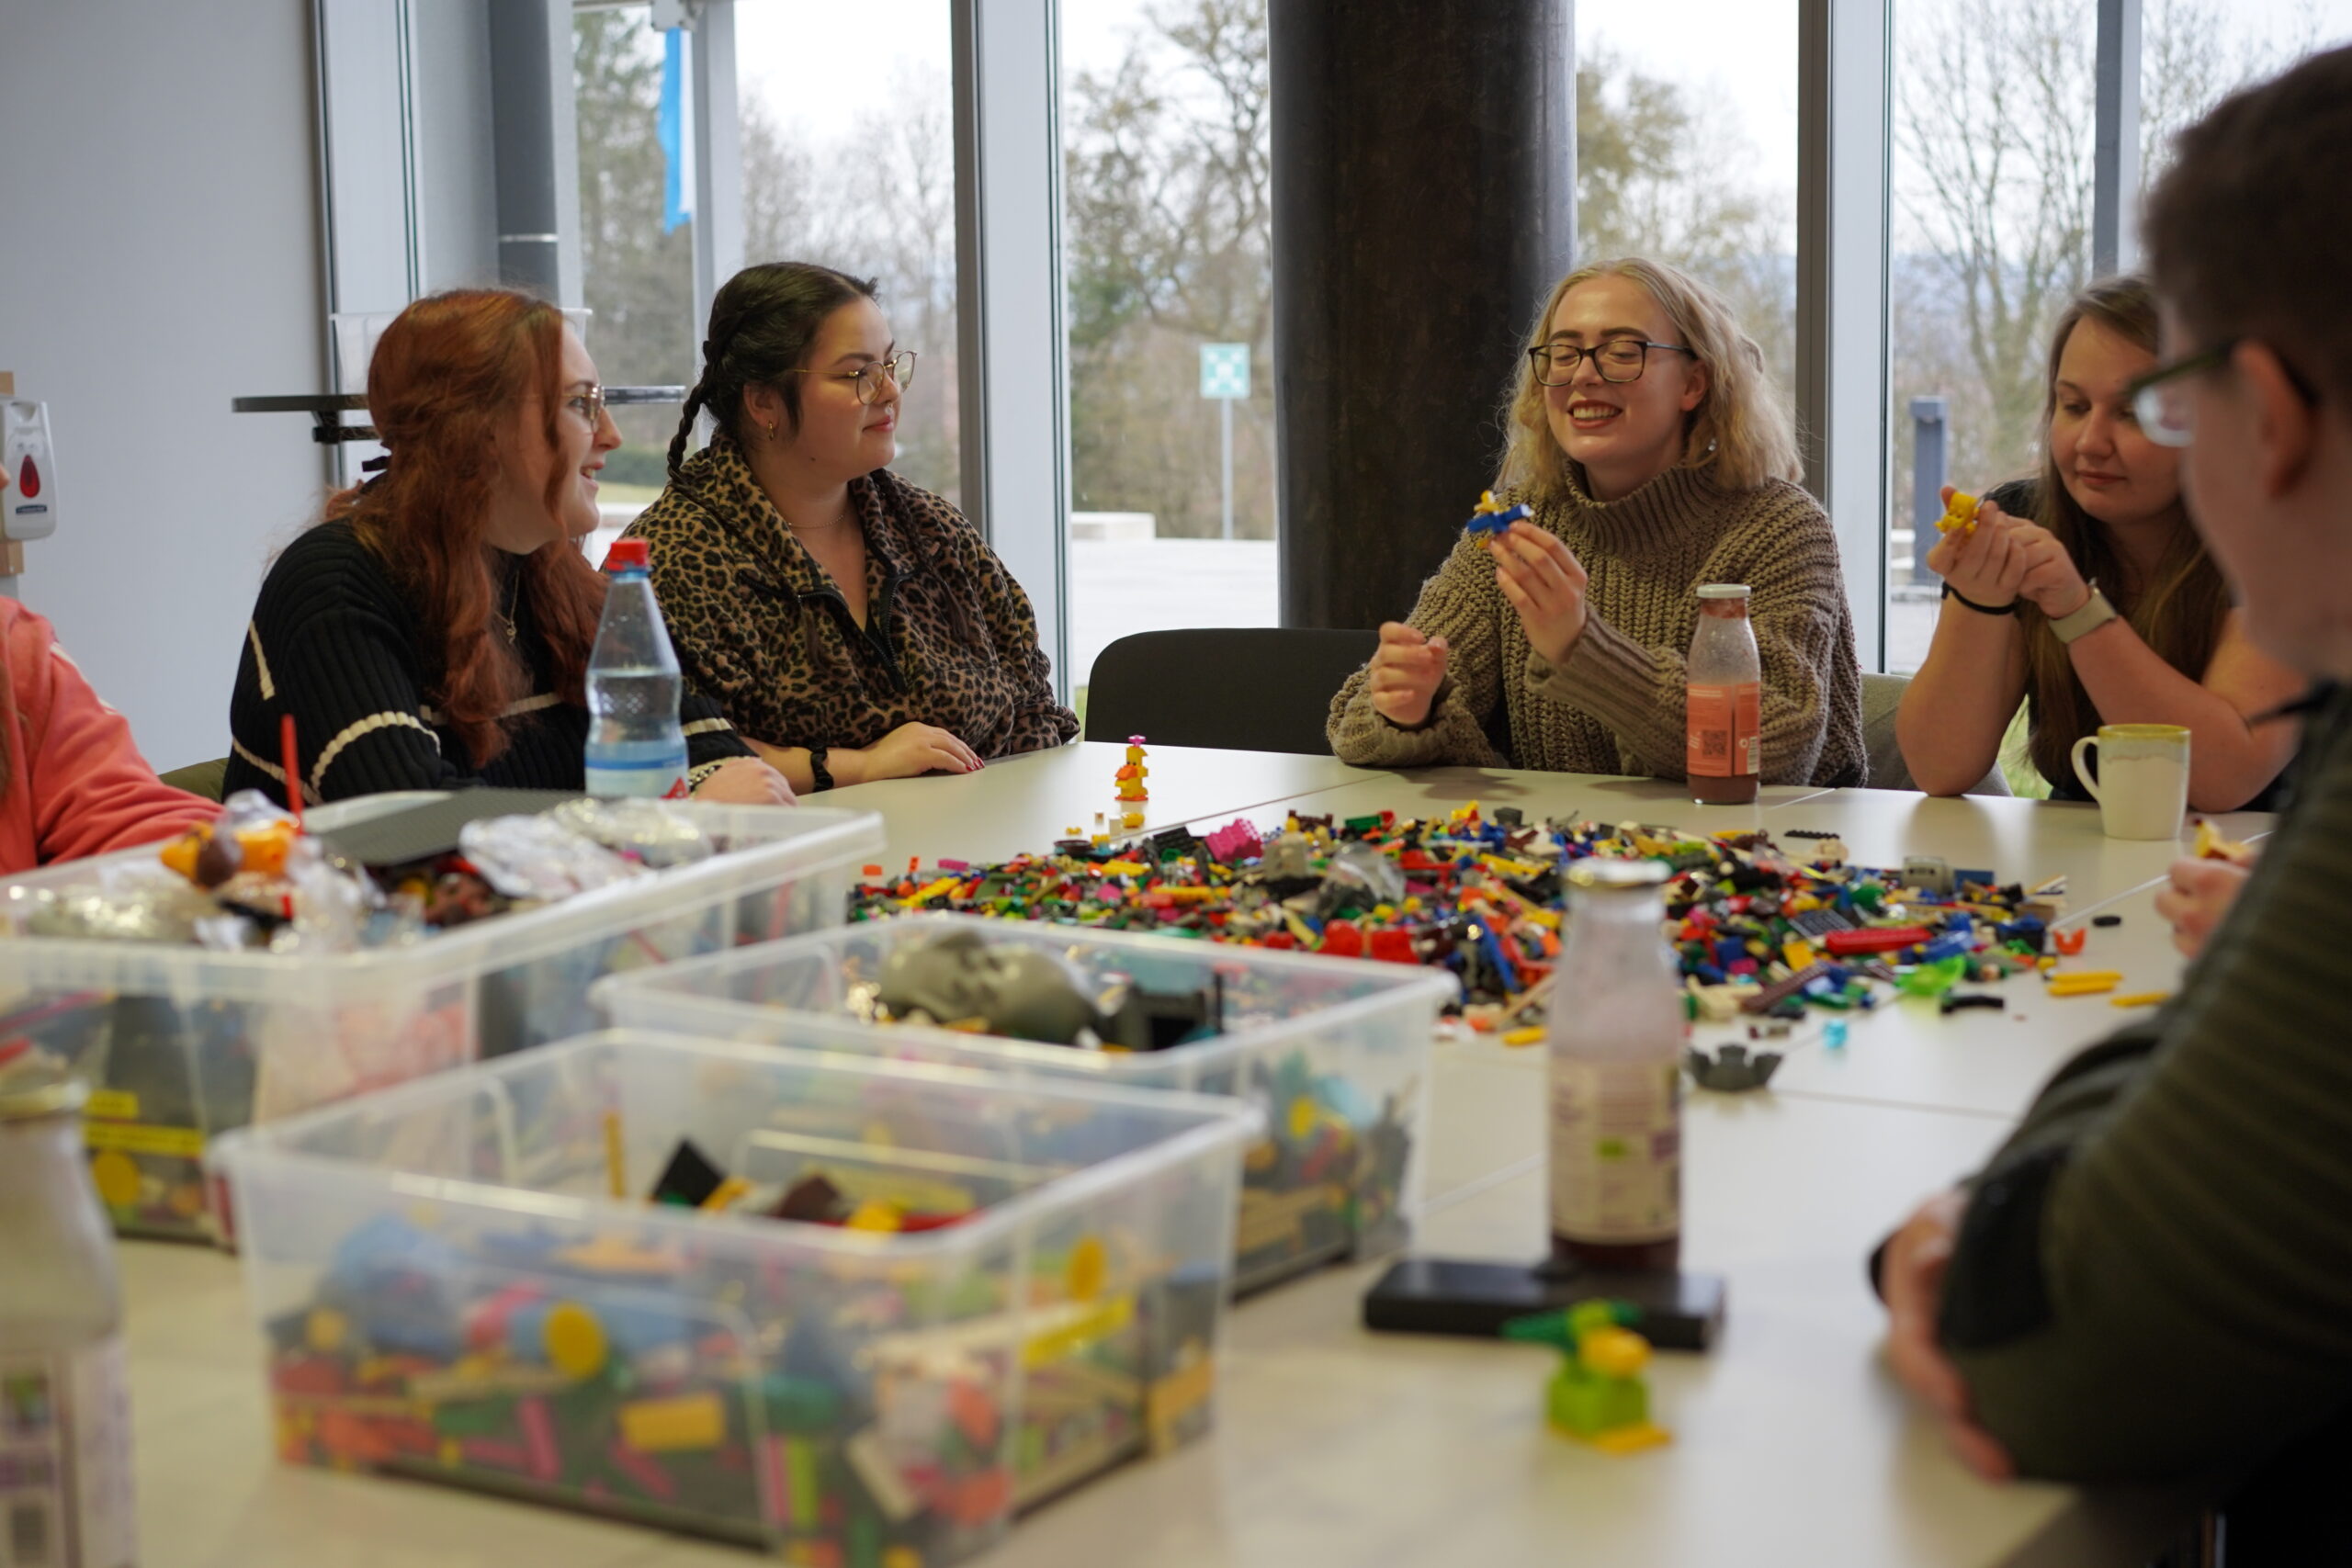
(950, 639)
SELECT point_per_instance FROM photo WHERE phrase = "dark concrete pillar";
(1424, 198)
(524, 53)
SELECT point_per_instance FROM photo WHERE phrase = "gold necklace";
(513, 598)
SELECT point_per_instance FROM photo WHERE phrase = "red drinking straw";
(293, 772)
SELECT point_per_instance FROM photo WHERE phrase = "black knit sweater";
(336, 642)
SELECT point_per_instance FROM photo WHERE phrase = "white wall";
(159, 255)
(456, 187)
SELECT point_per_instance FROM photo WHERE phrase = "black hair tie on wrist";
(2008, 609)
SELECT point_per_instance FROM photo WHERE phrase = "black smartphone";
(1445, 1296)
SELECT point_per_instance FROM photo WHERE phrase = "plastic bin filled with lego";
(1336, 1053)
(857, 1312)
(262, 967)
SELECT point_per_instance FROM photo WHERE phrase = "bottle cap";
(36, 1083)
(1706, 590)
(634, 555)
(1595, 875)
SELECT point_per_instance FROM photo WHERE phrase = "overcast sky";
(815, 61)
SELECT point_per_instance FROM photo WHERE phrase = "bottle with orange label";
(1725, 700)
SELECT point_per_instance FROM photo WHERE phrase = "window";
(635, 243)
(1167, 175)
(853, 166)
(1993, 221)
(1687, 152)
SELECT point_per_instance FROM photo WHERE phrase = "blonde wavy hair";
(1739, 433)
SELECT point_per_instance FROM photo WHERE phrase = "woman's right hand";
(1983, 566)
(2196, 897)
(911, 749)
(1406, 672)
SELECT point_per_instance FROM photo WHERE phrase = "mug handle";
(2089, 782)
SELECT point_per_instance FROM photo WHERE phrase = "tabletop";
(1333, 1445)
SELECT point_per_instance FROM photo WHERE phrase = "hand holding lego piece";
(1406, 672)
(1545, 583)
(1491, 516)
(1980, 561)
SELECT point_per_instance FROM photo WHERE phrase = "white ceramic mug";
(2142, 784)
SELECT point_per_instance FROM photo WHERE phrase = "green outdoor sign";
(1225, 370)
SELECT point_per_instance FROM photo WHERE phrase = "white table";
(1334, 1445)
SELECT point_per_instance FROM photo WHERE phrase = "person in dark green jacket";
(2152, 1280)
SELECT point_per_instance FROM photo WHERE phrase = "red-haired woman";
(434, 631)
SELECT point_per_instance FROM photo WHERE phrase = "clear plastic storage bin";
(449, 1290)
(181, 1044)
(1335, 1050)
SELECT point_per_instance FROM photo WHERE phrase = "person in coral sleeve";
(72, 781)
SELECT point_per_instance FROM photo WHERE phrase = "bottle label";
(1616, 1151)
(662, 779)
(65, 1485)
(1724, 721)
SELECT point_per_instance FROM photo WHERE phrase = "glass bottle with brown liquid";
(1724, 699)
(1615, 1070)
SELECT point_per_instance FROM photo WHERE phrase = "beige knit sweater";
(1615, 706)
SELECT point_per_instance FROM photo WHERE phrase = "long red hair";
(448, 374)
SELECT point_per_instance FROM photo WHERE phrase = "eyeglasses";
(1619, 360)
(589, 405)
(2160, 399)
(899, 369)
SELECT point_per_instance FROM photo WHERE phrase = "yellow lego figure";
(1961, 513)
(1130, 777)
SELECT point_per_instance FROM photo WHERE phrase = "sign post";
(1225, 375)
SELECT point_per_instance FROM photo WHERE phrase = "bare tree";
(1168, 182)
(1653, 179)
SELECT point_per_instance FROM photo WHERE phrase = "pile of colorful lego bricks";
(1757, 929)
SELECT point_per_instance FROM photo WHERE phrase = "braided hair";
(762, 324)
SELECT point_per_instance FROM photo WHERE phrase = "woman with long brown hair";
(434, 631)
(2098, 604)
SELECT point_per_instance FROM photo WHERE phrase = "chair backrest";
(206, 779)
(1243, 688)
(1882, 694)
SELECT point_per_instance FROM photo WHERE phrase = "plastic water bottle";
(1615, 1049)
(636, 746)
(65, 1478)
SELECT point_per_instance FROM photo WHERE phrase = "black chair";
(1241, 688)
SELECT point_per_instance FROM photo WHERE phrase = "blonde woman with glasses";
(1655, 455)
(852, 625)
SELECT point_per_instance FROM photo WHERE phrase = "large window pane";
(1993, 123)
(849, 159)
(1687, 152)
(637, 273)
(1168, 244)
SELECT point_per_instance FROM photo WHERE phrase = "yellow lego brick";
(666, 1426)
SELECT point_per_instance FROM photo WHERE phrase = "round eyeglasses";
(899, 367)
(1619, 360)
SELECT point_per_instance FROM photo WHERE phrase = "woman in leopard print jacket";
(851, 626)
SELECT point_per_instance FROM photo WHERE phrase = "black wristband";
(817, 777)
(2008, 609)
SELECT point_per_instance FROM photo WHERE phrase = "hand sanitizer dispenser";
(28, 506)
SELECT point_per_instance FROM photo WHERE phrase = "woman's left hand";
(745, 781)
(1545, 583)
(2052, 582)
